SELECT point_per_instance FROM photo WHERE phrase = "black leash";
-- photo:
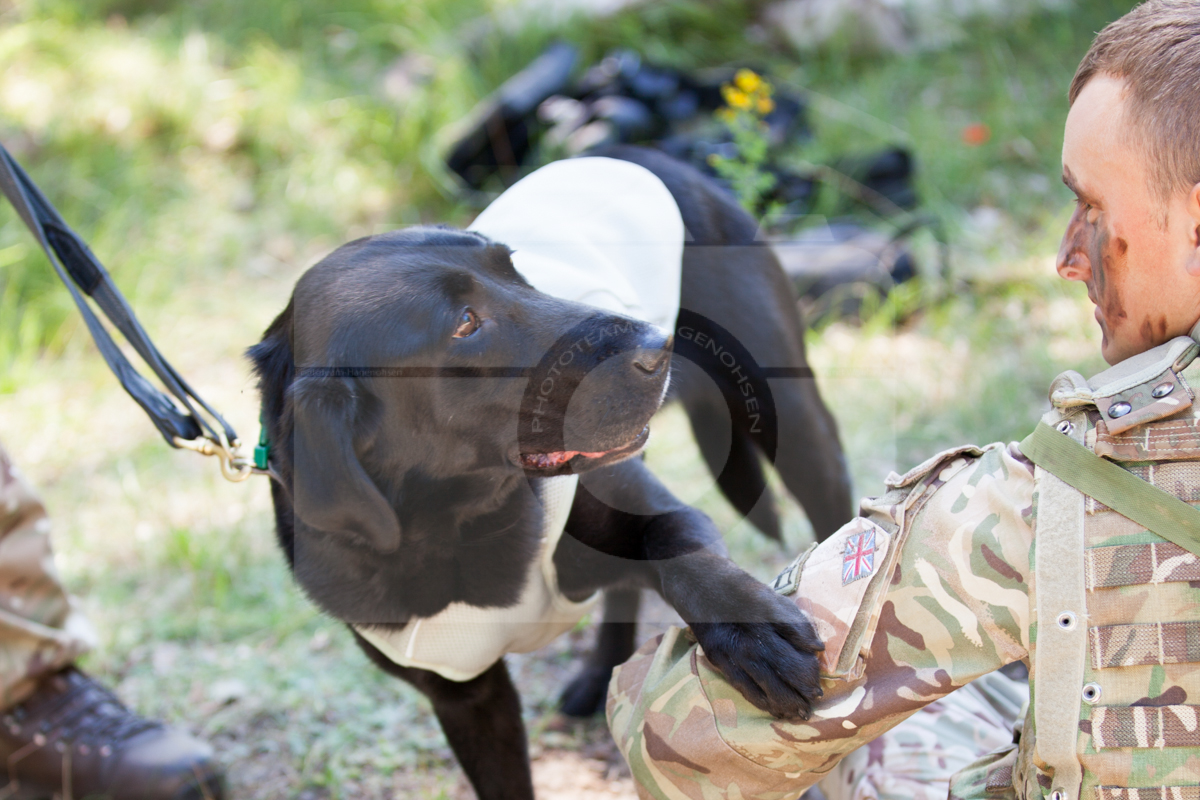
(177, 416)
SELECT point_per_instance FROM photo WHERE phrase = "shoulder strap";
(1128, 495)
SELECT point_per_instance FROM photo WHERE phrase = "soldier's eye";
(1089, 211)
(468, 323)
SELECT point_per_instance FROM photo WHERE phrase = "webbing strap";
(1128, 495)
(179, 419)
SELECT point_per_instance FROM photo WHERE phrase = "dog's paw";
(585, 694)
(770, 657)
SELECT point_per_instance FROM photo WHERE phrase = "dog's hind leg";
(809, 458)
(481, 719)
(749, 340)
(735, 293)
(736, 461)
(586, 693)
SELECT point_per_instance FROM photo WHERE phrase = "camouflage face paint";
(1087, 253)
(1092, 254)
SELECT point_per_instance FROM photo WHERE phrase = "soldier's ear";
(1193, 210)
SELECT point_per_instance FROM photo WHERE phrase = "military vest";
(1115, 641)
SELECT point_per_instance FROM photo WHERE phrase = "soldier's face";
(1138, 257)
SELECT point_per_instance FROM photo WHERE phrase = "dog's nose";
(653, 360)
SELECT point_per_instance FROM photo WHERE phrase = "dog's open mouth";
(578, 458)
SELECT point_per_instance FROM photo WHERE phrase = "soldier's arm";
(925, 592)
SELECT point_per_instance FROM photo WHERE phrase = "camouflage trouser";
(916, 759)
(41, 629)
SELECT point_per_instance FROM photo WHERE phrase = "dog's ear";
(331, 490)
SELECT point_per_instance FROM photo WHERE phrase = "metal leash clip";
(235, 465)
(182, 411)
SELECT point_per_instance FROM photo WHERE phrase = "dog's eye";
(468, 323)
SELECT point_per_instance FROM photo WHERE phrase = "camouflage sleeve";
(926, 591)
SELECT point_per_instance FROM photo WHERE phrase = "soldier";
(62, 733)
(1029, 552)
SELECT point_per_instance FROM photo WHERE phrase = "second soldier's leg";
(40, 629)
(61, 732)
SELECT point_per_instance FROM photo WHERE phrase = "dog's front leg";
(758, 639)
(626, 529)
(482, 721)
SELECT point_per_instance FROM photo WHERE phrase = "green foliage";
(1010, 76)
(748, 100)
(183, 138)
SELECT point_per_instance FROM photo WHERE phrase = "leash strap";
(1128, 495)
(178, 419)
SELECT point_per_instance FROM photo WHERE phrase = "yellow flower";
(735, 97)
(747, 80)
(764, 106)
(726, 114)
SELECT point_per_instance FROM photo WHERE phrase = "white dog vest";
(594, 230)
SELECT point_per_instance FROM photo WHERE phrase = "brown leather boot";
(73, 739)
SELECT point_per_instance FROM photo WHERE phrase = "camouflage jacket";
(935, 585)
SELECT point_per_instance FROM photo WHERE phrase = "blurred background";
(211, 150)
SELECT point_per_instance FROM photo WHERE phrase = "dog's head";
(416, 372)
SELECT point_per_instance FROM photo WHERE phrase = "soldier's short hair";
(1155, 48)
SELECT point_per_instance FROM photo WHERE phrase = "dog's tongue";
(560, 457)
(551, 460)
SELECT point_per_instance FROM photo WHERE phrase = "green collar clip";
(262, 453)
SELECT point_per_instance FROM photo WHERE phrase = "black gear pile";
(543, 113)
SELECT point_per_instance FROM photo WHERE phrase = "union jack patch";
(858, 559)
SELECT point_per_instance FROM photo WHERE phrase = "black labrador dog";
(405, 394)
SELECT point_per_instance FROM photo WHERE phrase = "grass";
(210, 150)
